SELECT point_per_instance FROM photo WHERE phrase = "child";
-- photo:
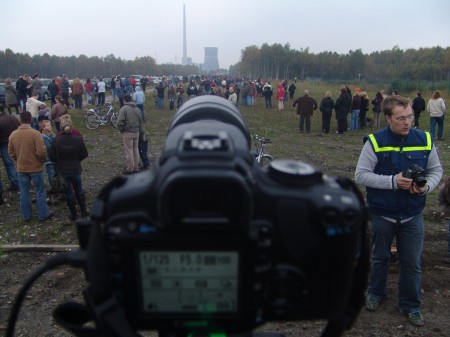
(48, 136)
(444, 201)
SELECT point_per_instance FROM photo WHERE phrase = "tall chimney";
(184, 61)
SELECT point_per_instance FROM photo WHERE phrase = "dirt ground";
(67, 283)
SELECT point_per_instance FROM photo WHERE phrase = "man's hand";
(408, 184)
(417, 190)
(403, 183)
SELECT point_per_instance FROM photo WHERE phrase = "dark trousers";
(65, 96)
(362, 119)
(305, 120)
(416, 118)
(141, 107)
(13, 106)
(101, 98)
(143, 153)
(342, 125)
(268, 101)
(326, 120)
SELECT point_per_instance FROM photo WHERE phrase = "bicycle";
(96, 117)
(262, 158)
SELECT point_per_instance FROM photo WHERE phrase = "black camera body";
(209, 241)
(417, 174)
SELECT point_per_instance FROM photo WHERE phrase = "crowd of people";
(395, 202)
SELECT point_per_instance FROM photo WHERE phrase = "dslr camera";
(209, 242)
(417, 174)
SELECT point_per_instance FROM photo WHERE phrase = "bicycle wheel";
(114, 119)
(265, 160)
(92, 122)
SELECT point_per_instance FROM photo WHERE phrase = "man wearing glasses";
(396, 202)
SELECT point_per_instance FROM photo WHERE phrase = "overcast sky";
(133, 28)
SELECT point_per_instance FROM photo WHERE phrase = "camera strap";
(109, 317)
(101, 305)
(106, 311)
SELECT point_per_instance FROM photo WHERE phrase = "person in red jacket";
(280, 96)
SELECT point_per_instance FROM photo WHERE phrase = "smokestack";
(184, 60)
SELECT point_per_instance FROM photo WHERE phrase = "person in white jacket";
(33, 106)
(436, 108)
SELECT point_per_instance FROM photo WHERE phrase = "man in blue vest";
(396, 202)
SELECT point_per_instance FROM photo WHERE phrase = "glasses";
(404, 118)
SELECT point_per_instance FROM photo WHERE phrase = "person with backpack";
(268, 93)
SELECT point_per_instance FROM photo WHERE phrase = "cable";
(75, 258)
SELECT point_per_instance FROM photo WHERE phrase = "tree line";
(274, 61)
(14, 65)
(282, 62)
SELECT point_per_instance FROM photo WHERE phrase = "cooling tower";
(211, 61)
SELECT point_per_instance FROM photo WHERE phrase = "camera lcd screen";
(189, 281)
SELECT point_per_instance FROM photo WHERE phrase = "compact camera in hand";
(208, 241)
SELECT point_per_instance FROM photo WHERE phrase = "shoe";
(446, 260)
(49, 216)
(372, 304)
(416, 318)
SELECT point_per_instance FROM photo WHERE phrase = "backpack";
(267, 90)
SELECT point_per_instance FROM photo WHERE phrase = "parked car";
(2, 94)
(156, 79)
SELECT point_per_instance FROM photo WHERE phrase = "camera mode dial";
(296, 172)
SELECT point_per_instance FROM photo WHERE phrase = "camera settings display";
(189, 281)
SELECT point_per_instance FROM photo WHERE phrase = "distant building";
(211, 62)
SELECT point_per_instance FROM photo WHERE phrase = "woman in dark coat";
(11, 97)
(376, 102)
(67, 152)
(363, 108)
(326, 107)
(342, 108)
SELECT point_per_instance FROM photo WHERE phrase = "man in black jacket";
(23, 85)
(418, 106)
(53, 90)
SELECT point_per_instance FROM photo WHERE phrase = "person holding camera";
(444, 201)
(396, 202)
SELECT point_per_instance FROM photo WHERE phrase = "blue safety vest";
(396, 154)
